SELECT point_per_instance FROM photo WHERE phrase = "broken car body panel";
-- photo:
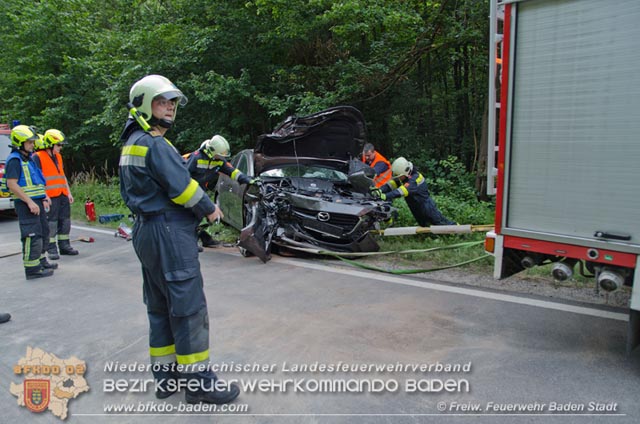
(314, 191)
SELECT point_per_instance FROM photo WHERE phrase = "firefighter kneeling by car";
(407, 182)
(204, 165)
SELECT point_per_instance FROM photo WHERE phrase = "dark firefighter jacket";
(415, 192)
(205, 170)
(154, 178)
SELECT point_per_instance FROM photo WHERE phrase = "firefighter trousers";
(32, 232)
(59, 222)
(166, 245)
(426, 212)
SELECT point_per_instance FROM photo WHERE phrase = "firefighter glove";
(377, 193)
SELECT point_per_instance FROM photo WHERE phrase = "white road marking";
(460, 290)
(95, 230)
(582, 310)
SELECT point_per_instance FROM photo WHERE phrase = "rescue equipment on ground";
(85, 239)
(90, 210)
(123, 232)
(434, 229)
(110, 217)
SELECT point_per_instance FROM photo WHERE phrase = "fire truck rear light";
(490, 245)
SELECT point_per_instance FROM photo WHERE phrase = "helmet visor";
(218, 156)
(170, 95)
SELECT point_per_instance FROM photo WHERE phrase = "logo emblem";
(323, 216)
(36, 394)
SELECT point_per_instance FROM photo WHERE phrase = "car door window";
(242, 164)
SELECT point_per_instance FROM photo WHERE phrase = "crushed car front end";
(315, 190)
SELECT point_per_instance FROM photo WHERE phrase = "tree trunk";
(483, 152)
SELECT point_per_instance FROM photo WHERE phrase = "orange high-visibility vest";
(53, 175)
(380, 179)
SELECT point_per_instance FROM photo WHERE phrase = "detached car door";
(231, 193)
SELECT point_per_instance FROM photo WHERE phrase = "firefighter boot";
(66, 249)
(40, 273)
(166, 381)
(52, 250)
(211, 390)
(4, 317)
(207, 240)
(46, 264)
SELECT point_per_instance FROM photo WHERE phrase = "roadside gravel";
(539, 286)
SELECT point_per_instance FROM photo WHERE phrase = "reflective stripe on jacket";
(382, 178)
(154, 178)
(205, 170)
(414, 187)
(53, 175)
(31, 180)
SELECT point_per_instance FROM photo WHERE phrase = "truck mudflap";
(633, 334)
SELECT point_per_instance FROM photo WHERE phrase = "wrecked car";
(313, 190)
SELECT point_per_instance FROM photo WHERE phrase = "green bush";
(452, 188)
(104, 192)
(449, 177)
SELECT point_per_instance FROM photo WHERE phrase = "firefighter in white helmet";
(212, 157)
(407, 182)
(204, 165)
(156, 185)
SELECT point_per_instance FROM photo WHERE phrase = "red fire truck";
(564, 140)
(5, 140)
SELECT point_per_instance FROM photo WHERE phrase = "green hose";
(409, 271)
(342, 257)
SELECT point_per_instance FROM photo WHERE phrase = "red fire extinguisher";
(90, 210)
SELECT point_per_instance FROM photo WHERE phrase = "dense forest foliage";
(416, 69)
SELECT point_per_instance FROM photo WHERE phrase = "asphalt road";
(513, 352)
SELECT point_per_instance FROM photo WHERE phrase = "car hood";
(330, 138)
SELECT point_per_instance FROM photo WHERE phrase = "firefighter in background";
(156, 185)
(407, 182)
(49, 159)
(204, 165)
(39, 146)
(379, 163)
(26, 182)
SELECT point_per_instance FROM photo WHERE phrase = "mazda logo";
(323, 216)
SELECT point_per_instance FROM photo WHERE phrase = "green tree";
(417, 69)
